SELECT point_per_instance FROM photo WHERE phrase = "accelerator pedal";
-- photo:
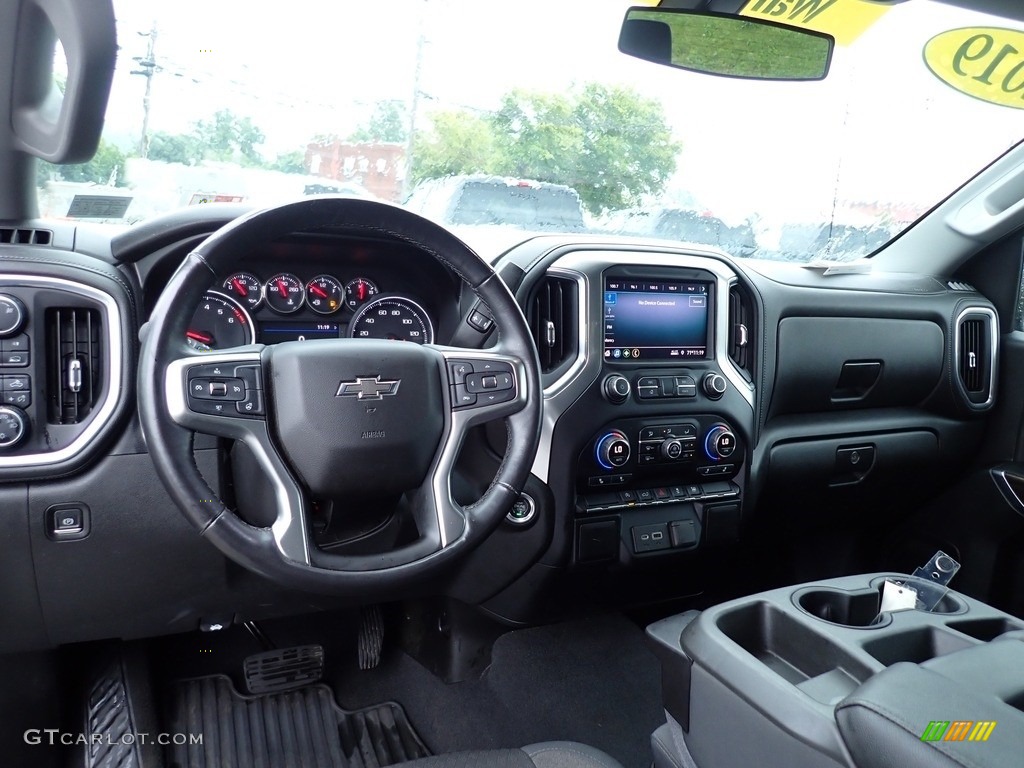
(371, 636)
(284, 669)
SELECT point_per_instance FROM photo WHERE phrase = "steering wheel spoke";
(222, 395)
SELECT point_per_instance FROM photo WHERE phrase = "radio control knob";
(720, 442)
(613, 450)
(714, 385)
(13, 426)
(12, 315)
(672, 449)
(616, 388)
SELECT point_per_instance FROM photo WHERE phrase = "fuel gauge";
(358, 292)
(246, 288)
(323, 294)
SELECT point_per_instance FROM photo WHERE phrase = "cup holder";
(837, 606)
(859, 608)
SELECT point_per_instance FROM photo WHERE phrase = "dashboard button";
(628, 496)
(19, 343)
(14, 358)
(645, 494)
(21, 399)
(648, 393)
(678, 491)
(648, 381)
(654, 433)
(15, 383)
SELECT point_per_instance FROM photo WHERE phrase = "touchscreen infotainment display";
(655, 319)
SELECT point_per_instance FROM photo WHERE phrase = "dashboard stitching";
(60, 262)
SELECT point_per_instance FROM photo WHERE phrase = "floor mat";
(298, 728)
(592, 680)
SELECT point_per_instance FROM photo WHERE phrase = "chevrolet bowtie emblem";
(366, 388)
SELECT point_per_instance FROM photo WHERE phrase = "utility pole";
(147, 68)
(413, 107)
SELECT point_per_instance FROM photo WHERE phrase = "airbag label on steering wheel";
(984, 62)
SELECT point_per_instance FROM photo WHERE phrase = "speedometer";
(392, 317)
(219, 322)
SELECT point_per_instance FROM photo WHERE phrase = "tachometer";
(219, 322)
(392, 317)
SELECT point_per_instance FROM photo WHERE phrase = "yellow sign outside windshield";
(984, 62)
(845, 20)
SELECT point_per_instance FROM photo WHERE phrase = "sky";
(880, 127)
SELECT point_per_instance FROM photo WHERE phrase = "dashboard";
(686, 397)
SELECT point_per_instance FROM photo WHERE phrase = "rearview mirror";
(731, 46)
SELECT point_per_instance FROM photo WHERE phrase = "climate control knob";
(616, 389)
(720, 442)
(613, 450)
(714, 385)
(12, 315)
(672, 449)
(13, 426)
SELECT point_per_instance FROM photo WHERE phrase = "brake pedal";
(371, 636)
(284, 669)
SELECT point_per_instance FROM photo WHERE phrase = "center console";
(662, 469)
(816, 675)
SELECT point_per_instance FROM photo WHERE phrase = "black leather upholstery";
(882, 722)
(549, 754)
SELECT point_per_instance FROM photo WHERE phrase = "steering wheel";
(324, 418)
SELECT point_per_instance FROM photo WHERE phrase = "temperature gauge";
(246, 288)
(284, 293)
(323, 294)
(358, 292)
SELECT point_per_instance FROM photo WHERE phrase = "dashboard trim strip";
(115, 365)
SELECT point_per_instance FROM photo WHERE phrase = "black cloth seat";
(548, 754)
(883, 721)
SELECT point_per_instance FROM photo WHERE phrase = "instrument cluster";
(244, 309)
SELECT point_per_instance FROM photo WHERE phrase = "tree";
(230, 137)
(290, 162)
(106, 166)
(387, 124)
(609, 143)
(457, 142)
(171, 148)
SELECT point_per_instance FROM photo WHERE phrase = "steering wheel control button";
(12, 314)
(250, 376)
(480, 383)
(523, 511)
(252, 405)
(461, 397)
(479, 320)
(13, 427)
(613, 450)
(458, 370)
(204, 388)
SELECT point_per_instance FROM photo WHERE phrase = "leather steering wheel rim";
(170, 444)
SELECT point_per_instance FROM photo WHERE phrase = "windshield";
(231, 102)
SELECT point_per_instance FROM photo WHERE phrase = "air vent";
(741, 328)
(25, 236)
(553, 320)
(74, 363)
(976, 355)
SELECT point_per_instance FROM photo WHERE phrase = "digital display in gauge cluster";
(244, 308)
